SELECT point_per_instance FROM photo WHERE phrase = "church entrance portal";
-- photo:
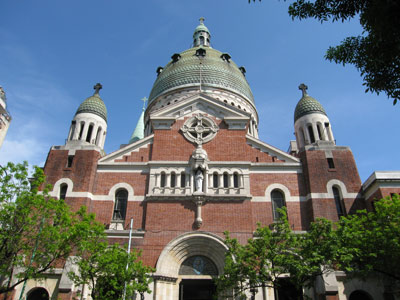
(196, 289)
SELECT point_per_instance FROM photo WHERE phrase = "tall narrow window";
(162, 183)
(235, 180)
(278, 201)
(121, 201)
(319, 132)
(98, 135)
(215, 180)
(81, 130)
(225, 180)
(63, 191)
(338, 202)
(89, 133)
(173, 180)
(183, 179)
(311, 133)
(73, 125)
(70, 161)
(331, 164)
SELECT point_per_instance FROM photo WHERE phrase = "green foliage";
(375, 53)
(36, 230)
(370, 241)
(275, 251)
(106, 269)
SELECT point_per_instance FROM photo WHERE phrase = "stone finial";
(201, 20)
(303, 88)
(97, 88)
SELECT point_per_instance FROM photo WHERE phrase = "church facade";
(195, 168)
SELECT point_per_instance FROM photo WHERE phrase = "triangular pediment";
(122, 155)
(199, 103)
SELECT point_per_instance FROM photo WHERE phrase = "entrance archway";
(360, 295)
(38, 294)
(196, 289)
(187, 265)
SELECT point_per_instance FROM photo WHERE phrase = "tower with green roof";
(311, 122)
(89, 125)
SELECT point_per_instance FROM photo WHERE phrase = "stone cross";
(303, 88)
(97, 88)
(201, 20)
(144, 99)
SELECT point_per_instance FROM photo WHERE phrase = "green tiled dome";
(93, 105)
(307, 105)
(215, 72)
(201, 27)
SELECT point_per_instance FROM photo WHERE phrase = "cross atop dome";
(144, 99)
(201, 20)
(97, 88)
(304, 89)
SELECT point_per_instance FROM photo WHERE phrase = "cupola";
(201, 35)
(311, 121)
(89, 125)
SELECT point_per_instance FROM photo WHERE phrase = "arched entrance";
(360, 295)
(38, 294)
(192, 288)
(187, 265)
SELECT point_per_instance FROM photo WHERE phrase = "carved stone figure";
(199, 180)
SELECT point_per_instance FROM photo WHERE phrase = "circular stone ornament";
(199, 129)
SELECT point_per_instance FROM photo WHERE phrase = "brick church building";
(195, 168)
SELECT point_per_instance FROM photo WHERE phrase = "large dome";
(216, 69)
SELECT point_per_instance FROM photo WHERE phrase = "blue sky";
(53, 52)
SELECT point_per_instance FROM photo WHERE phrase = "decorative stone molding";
(199, 129)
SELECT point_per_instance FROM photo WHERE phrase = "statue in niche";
(199, 180)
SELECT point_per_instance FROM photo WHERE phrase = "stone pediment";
(200, 103)
(124, 154)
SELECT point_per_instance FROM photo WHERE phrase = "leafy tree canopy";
(376, 51)
(36, 231)
(370, 241)
(275, 251)
(110, 270)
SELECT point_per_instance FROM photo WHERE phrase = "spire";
(201, 35)
(138, 133)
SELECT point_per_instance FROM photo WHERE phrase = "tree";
(369, 242)
(375, 53)
(274, 252)
(36, 231)
(109, 270)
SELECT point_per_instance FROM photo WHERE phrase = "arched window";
(225, 180)
(173, 180)
(81, 130)
(235, 180)
(201, 40)
(121, 201)
(98, 135)
(338, 202)
(311, 133)
(89, 133)
(278, 201)
(63, 191)
(215, 179)
(73, 125)
(302, 139)
(162, 183)
(183, 179)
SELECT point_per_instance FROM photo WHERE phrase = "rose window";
(199, 129)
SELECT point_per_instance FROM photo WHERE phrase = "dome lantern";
(201, 35)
